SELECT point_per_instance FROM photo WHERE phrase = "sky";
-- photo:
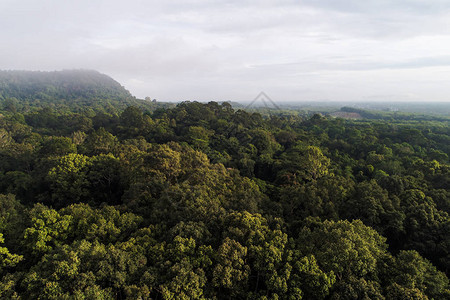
(304, 50)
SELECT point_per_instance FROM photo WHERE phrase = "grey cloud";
(233, 49)
(381, 6)
(344, 63)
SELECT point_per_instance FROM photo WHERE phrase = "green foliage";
(107, 201)
(6, 258)
(409, 274)
(46, 228)
(324, 197)
(63, 90)
(68, 179)
(307, 277)
(58, 146)
(303, 164)
(199, 137)
(106, 224)
(231, 272)
(346, 248)
(107, 179)
(99, 142)
(372, 205)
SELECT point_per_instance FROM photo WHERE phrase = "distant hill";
(358, 113)
(68, 90)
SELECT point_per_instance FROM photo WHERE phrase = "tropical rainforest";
(104, 196)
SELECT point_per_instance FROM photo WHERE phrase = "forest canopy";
(203, 201)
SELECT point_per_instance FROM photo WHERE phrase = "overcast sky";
(354, 50)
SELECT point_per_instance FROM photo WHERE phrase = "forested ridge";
(202, 201)
(84, 91)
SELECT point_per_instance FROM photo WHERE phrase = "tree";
(349, 249)
(426, 228)
(186, 282)
(303, 164)
(231, 271)
(68, 179)
(86, 269)
(266, 249)
(6, 258)
(107, 181)
(57, 146)
(199, 137)
(47, 229)
(99, 142)
(410, 274)
(321, 198)
(307, 280)
(107, 225)
(372, 205)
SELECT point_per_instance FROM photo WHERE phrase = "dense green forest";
(203, 201)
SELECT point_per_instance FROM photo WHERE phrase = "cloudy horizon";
(231, 50)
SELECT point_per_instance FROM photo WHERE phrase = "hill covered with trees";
(202, 201)
(64, 91)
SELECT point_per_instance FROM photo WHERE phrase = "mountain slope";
(68, 90)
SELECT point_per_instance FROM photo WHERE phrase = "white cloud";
(293, 50)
